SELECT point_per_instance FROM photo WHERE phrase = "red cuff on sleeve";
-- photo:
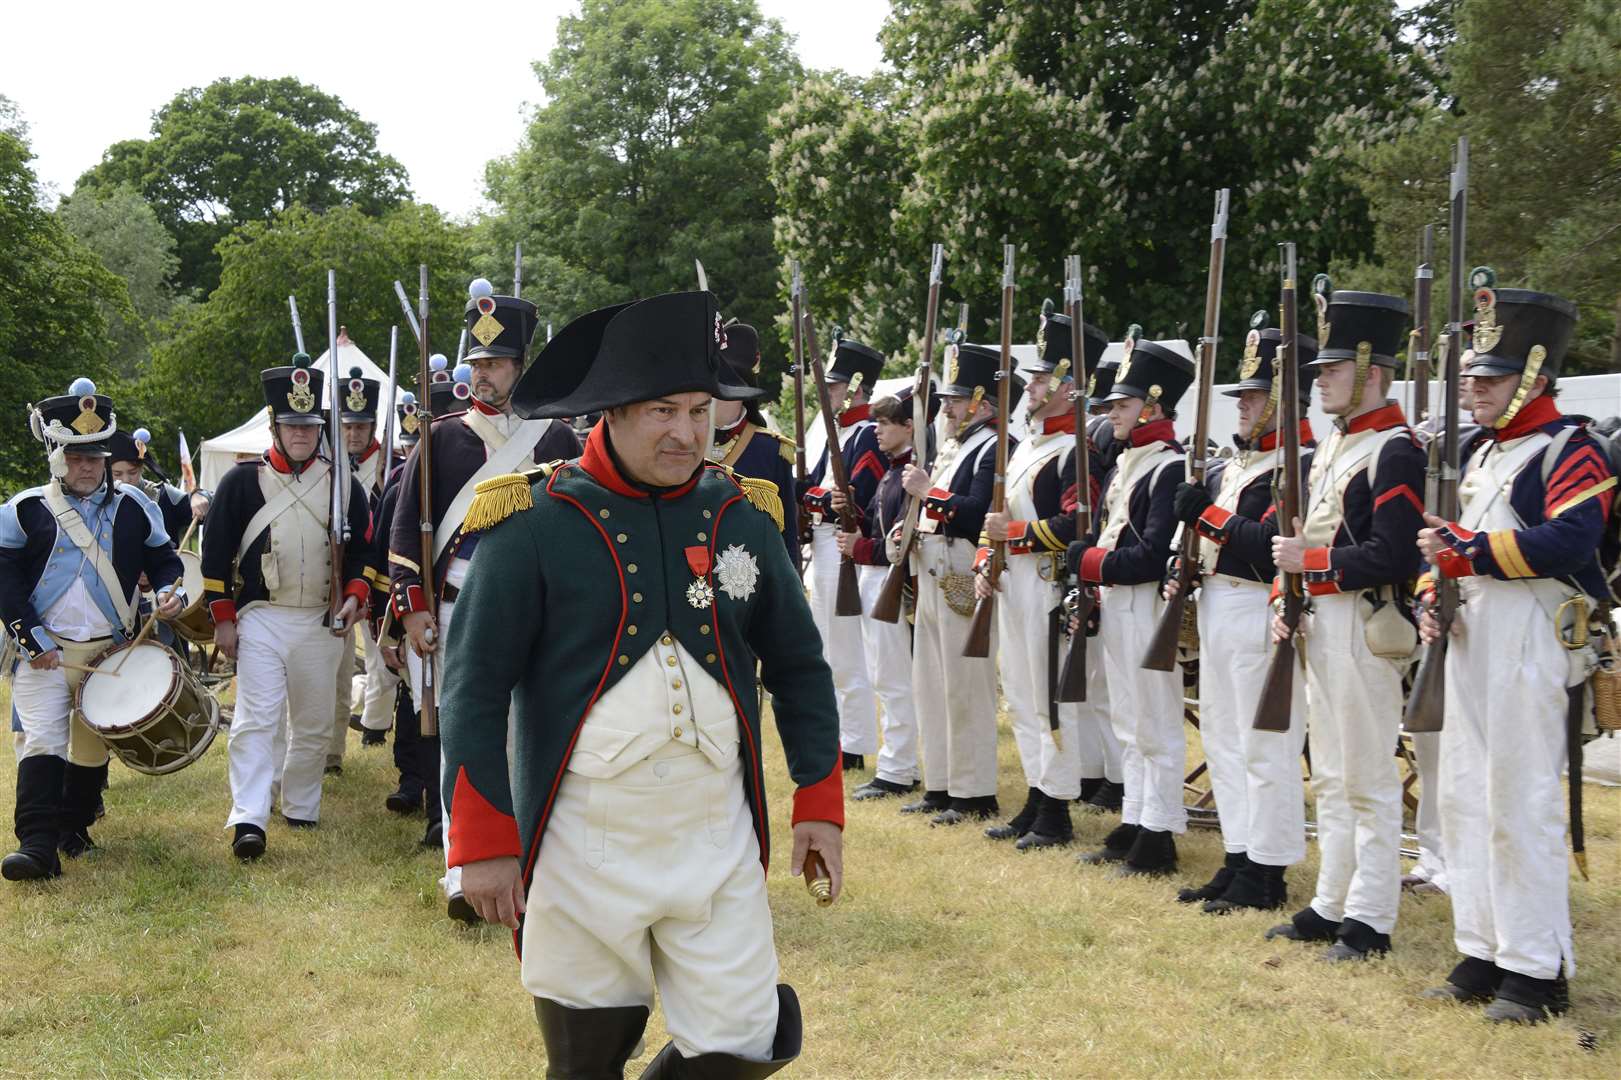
(222, 611)
(1018, 537)
(1212, 524)
(409, 599)
(981, 557)
(478, 830)
(823, 800)
(1092, 565)
(938, 503)
(866, 552)
(1454, 565)
(358, 589)
(1320, 576)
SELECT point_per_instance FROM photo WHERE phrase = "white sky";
(446, 85)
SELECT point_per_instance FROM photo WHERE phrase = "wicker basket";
(1607, 690)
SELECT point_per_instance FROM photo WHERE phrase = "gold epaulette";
(499, 497)
(786, 446)
(763, 495)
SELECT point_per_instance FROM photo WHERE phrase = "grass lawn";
(948, 956)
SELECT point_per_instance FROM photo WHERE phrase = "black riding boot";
(38, 815)
(1052, 827)
(670, 1065)
(1306, 925)
(1473, 982)
(1153, 854)
(81, 798)
(589, 1044)
(1255, 885)
(1019, 823)
(1116, 846)
(407, 798)
(1107, 798)
(931, 802)
(1217, 885)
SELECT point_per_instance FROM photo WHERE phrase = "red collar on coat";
(1269, 441)
(279, 462)
(1154, 431)
(1534, 414)
(1062, 424)
(854, 415)
(724, 435)
(370, 450)
(1380, 419)
(598, 462)
(487, 410)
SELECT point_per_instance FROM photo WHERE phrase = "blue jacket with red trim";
(1144, 546)
(863, 461)
(961, 507)
(567, 595)
(1245, 534)
(1376, 541)
(1564, 518)
(883, 513)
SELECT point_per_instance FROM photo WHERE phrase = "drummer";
(72, 553)
(129, 459)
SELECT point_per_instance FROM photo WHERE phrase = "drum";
(193, 622)
(148, 707)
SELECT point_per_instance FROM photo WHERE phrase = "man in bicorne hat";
(620, 606)
(72, 553)
(1534, 499)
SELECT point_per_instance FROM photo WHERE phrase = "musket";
(1426, 704)
(978, 644)
(1161, 655)
(887, 608)
(428, 704)
(461, 346)
(410, 318)
(1418, 349)
(386, 450)
(1072, 679)
(796, 294)
(848, 599)
(517, 269)
(1274, 709)
(340, 452)
(298, 327)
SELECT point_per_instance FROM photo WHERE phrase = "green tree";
(1103, 128)
(125, 233)
(241, 150)
(205, 376)
(52, 294)
(650, 152)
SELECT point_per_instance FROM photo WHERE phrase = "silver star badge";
(737, 572)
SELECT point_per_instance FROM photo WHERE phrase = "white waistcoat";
(297, 566)
(1135, 463)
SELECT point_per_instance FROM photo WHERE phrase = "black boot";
(38, 812)
(434, 836)
(1217, 884)
(931, 803)
(1473, 982)
(1019, 823)
(670, 1065)
(879, 788)
(373, 738)
(1052, 827)
(81, 796)
(1153, 854)
(404, 800)
(976, 808)
(1089, 788)
(1306, 925)
(1523, 1000)
(589, 1044)
(248, 843)
(1116, 846)
(1356, 941)
(1255, 885)
(1107, 798)
(854, 762)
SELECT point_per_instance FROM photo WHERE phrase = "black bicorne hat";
(1256, 370)
(81, 415)
(293, 393)
(1152, 372)
(619, 355)
(498, 326)
(359, 397)
(972, 367)
(1512, 325)
(852, 358)
(1357, 323)
(741, 351)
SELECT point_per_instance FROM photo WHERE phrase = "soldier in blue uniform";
(744, 444)
(130, 457)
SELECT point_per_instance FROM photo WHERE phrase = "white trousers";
(1503, 751)
(1354, 709)
(844, 647)
(377, 714)
(1096, 742)
(652, 880)
(955, 695)
(889, 672)
(285, 660)
(1255, 775)
(43, 701)
(343, 698)
(1029, 680)
(1147, 711)
(1431, 865)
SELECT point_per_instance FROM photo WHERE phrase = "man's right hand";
(495, 889)
(915, 481)
(422, 631)
(48, 661)
(225, 639)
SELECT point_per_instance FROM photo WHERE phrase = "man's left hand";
(827, 840)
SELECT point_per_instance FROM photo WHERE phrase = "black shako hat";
(1358, 323)
(81, 414)
(1053, 344)
(975, 367)
(619, 355)
(498, 326)
(293, 393)
(1256, 370)
(358, 397)
(1154, 373)
(741, 351)
(1101, 384)
(408, 428)
(852, 358)
(1512, 325)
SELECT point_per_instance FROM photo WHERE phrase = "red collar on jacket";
(854, 415)
(1269, 441)
(1534, 414)
(901, 460)
(279, 462)
(1062, 424)
(487, 410)
(1380, 419)
(370, 450)
(1153, 432)
(724, 435)
(598, 462)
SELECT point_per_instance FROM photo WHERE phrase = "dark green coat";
(565, 596)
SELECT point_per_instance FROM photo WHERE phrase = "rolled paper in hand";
(817, 879)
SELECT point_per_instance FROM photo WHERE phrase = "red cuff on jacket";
(1212, 524)
(865, 552)
(938, 504)
(981, 557)
(823, 800)
(1454, 565)
(358, 589)
(408, 598)
(1320, 576)
(478, 830)
(1020, 541)
(1092, 565)
(222, 611)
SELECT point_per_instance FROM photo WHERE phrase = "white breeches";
(1029, 680)
(955, 695)
(844, 646)
(44, 704)
(889, 672)
(1146, 709)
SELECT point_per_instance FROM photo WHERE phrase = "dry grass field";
(947, 957)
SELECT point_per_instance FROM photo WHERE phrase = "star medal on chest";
(700, 594)
(737, 572)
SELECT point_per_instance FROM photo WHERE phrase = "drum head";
(193, 583)
(127, 687)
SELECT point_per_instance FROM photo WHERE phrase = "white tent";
(252, 436)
